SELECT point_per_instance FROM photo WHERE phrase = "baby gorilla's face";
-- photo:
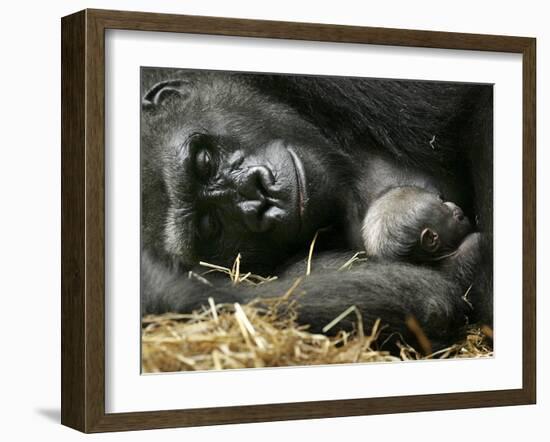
(413, 224)
(445, 225)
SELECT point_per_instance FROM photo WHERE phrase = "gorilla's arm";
(464, 264)
(392, 292)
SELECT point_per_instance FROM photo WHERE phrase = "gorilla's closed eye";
(203, 164)
(208, 226)
(203, 160)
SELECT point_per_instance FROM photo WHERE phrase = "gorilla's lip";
(300, 180)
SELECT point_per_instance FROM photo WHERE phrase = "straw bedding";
(265, 334)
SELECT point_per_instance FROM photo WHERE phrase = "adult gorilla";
(257, 164)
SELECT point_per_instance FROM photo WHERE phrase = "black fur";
(356, 138)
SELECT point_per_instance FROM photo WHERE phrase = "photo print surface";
(291, 220)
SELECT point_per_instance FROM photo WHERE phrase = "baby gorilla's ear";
(429, 240)
(162, 92)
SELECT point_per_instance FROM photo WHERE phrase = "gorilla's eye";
(208, 226)
(203, 161)
(203, 164)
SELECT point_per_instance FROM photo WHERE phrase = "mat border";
(83, 220)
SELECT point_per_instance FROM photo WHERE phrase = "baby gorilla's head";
(412, 224)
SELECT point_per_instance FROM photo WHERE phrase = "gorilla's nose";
(257, 208)
(259, 216)
(254, 183)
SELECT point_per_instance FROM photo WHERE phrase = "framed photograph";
(267, 220)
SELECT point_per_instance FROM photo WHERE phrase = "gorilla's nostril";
(273, 214)
(264, 181)
(257, 203)
(255, 183)
(261, 216)
(253, 214)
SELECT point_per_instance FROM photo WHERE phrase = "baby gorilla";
(414, 225)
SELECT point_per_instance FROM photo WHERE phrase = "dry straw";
(265, 333)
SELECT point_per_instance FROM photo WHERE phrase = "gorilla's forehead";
(225, 104)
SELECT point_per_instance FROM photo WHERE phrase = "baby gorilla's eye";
(208, 227)
(456, 211)
(459, 214)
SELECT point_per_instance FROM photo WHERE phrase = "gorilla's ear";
(429, 240)
(165, 90)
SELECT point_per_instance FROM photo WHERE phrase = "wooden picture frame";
(83, 218)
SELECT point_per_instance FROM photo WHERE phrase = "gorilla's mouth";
(300, 181)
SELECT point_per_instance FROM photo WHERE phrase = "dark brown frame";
(83, 215)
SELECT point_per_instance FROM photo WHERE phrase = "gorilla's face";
(241, 174)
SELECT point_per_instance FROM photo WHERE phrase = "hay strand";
(265, 333)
